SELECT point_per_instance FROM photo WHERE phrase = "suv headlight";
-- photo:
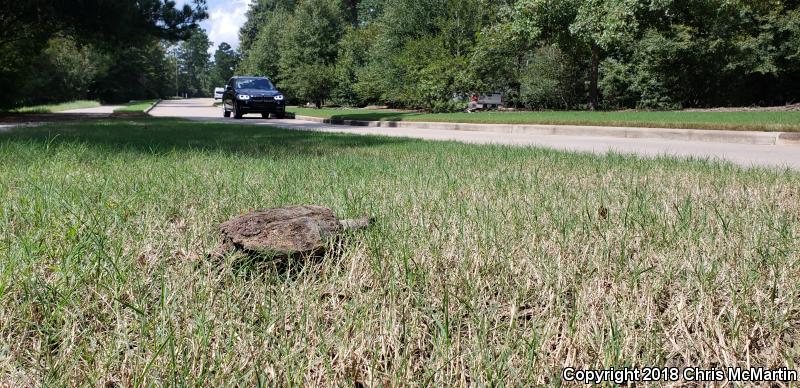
(279, 97)
(243, 97)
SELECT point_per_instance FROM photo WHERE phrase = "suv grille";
(262, 99)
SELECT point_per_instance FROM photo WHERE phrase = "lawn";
(487, 265)
(135, 106)
(52, 108)
(754, 121)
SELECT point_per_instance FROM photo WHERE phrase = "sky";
(225, 17)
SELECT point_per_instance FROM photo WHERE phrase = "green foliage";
(607, 24)
(374, 83)
(133, 73)
(717, 55)
(424, 52)
(61, 72)
(540, 54)
(432, 74)
(264, 56)
(258, 15)
(550, 80)
(369, 10)
(649, 81)
(497, 61)
(309, 49)
(195, 65)
(353, 54)
(35, 34)
(310, 82)
(226, 59)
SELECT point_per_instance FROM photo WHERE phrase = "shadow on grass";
(153, 135)
(46, 117)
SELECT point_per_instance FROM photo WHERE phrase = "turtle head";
(356, 223)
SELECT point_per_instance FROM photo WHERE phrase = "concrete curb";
(789, 138)
(705, 135)
(147, 111)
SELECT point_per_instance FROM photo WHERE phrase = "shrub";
(550, 80)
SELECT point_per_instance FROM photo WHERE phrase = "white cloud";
(225, 19)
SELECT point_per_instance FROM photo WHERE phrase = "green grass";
(487, 265)
(80, 104)
(136, 106)
(754, 121)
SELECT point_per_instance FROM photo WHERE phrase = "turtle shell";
(286, 231)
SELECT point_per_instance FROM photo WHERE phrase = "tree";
(259, 14)
(421, 52)
(263, 56)
(596, 54)
(714, 53)
(65, 70)
(369, 10)
(578, 27)
(549, 79)
(133, 73)
(309, 49)
(225, 61)
(195, 64)
(603, 25)
(108, 26)
(353, 53)
(99, 21)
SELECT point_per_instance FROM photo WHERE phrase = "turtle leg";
(220, 251)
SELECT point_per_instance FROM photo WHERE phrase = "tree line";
(113, 51)
(196, 72)
(541, 54)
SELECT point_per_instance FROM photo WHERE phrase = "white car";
(218, 92)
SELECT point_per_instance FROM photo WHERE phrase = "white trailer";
(490, 101)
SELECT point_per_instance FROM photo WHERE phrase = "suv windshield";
(254, 83)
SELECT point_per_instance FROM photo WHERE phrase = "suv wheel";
(265, 115)
(236, 114)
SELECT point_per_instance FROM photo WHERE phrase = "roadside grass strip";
(53, 108)
(135, 106)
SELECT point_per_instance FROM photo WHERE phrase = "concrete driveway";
(742, 154)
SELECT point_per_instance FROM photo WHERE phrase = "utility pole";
(175, 51)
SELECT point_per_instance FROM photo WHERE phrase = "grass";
(136, 106)
(754, 121)
(487, 265)
(52, 108)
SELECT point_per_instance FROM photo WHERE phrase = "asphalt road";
(780, 156)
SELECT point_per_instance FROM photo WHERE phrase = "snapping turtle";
(284, 232)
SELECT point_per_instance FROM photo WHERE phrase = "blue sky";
(225, 18)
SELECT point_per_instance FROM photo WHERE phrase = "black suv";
(252, 95)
